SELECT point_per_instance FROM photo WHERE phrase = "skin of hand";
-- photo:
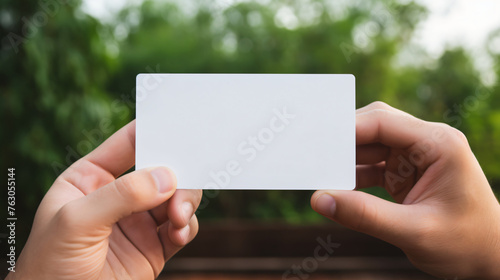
(446, 219)
(93, 225)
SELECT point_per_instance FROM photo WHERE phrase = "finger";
(129, 260)
(394, 223)
(104, 164)
(179, 209)
(401, 175)
(377, 176)
(173, 239)
(183, 206)
(182, 236)
(370, 175)
(376, 105)
(159, 213)
(389, 128)
(135, 192)
(423, 141)
(141, 230)
(379, 105)
(371, 153)
(117, 154)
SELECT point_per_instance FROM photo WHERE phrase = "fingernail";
(325, 205)
(187, 209)
(162, 180)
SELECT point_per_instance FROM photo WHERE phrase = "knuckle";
(127, 188)
(460, 136)
(380, 105)
(453, 136)
(412, 121)
(380, 113)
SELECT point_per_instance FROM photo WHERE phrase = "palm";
(110, 249)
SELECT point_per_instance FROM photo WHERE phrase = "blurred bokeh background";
(67, 78)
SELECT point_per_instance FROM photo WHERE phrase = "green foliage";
(54, 69)
(71, 82)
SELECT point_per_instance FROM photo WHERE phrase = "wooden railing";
(236, 247)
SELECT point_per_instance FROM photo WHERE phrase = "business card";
(248, 131)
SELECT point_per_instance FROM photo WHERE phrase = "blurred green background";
(67, 78)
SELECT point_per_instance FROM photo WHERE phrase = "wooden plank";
(371, 275)
(237, 239)
(284, 264)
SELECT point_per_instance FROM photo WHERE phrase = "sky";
(461, 22)
(450, 23)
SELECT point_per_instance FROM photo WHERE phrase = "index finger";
(117, 154)
(390, 128)
(422, 141)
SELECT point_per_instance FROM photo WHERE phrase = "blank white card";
(248, 131)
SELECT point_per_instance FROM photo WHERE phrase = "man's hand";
(446, 219)
(93, 225)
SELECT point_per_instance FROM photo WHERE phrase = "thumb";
(138, 191)
(366, 213)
